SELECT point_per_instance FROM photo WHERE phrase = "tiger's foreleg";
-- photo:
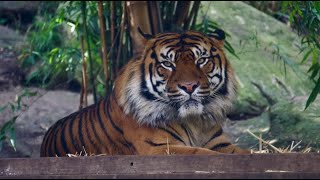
(233, 149)
(179, 149)
(223, 145)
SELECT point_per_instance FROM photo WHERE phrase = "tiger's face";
(182, 75)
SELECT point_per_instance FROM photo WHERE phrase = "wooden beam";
(167, 166)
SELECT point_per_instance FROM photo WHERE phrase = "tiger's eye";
(201, 61)
(166, 63)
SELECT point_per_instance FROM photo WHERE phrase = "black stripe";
(54, 138)
(204, 92)
(63, 138)
(151, 79)
(55, 145)
(129, 145)
(75, 144)
(166, 34)
(219, 59)
(47, 139)
(91, 118)
(168, 41)
(126, 143)
(195, 37)
(144, 90)
(223, 90)
(174, 45)
(213, 65)
(216, 75)
(189, 53)
(219, 146)
(161, 75)
(51, 140)
(173, 135)
(185, 130)
(103, 127)
(174, 130)
(215, 135)
(163, 56)
(80, 132)
(44, 143)
(87, 119)
(174, 95)
(108, 115)
(196, 45)
(153, 55)
(154, 144)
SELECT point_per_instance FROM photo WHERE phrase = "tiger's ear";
(145, 35)
(218, 37)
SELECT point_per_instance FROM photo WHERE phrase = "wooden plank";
(173, 166)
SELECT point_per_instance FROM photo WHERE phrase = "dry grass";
(267, 147)
(84, 153)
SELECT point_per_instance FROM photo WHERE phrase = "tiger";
(171, 99)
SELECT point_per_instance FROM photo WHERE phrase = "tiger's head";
(178, 76)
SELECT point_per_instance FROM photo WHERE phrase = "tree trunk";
(182, 11)
(154, 14)
(138, 16)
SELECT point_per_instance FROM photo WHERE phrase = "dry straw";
(290, 149)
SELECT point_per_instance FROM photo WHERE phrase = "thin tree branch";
(85, 29)
(83, 93)
(182, 11)
(193, 15)
(103, 45)
(112, 33)
(270, 100)
(123, 19)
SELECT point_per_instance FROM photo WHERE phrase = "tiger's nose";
(188, 87)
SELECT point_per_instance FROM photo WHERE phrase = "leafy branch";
(7, 130)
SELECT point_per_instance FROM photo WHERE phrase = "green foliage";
(207, 26)
(7, 131)
(55, 48)
(48, 52)
(305, 18)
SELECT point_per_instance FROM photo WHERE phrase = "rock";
(42, 112)
(18, 14)
(19, 5)
(9, 37)
(10, 72)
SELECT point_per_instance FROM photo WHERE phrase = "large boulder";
(42, 111)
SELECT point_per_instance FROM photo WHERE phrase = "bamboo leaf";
(315, 72)
(228, 46)
(314, 94)
(12, 138)
(306, 56)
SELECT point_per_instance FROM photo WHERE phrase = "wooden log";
(166, 166)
